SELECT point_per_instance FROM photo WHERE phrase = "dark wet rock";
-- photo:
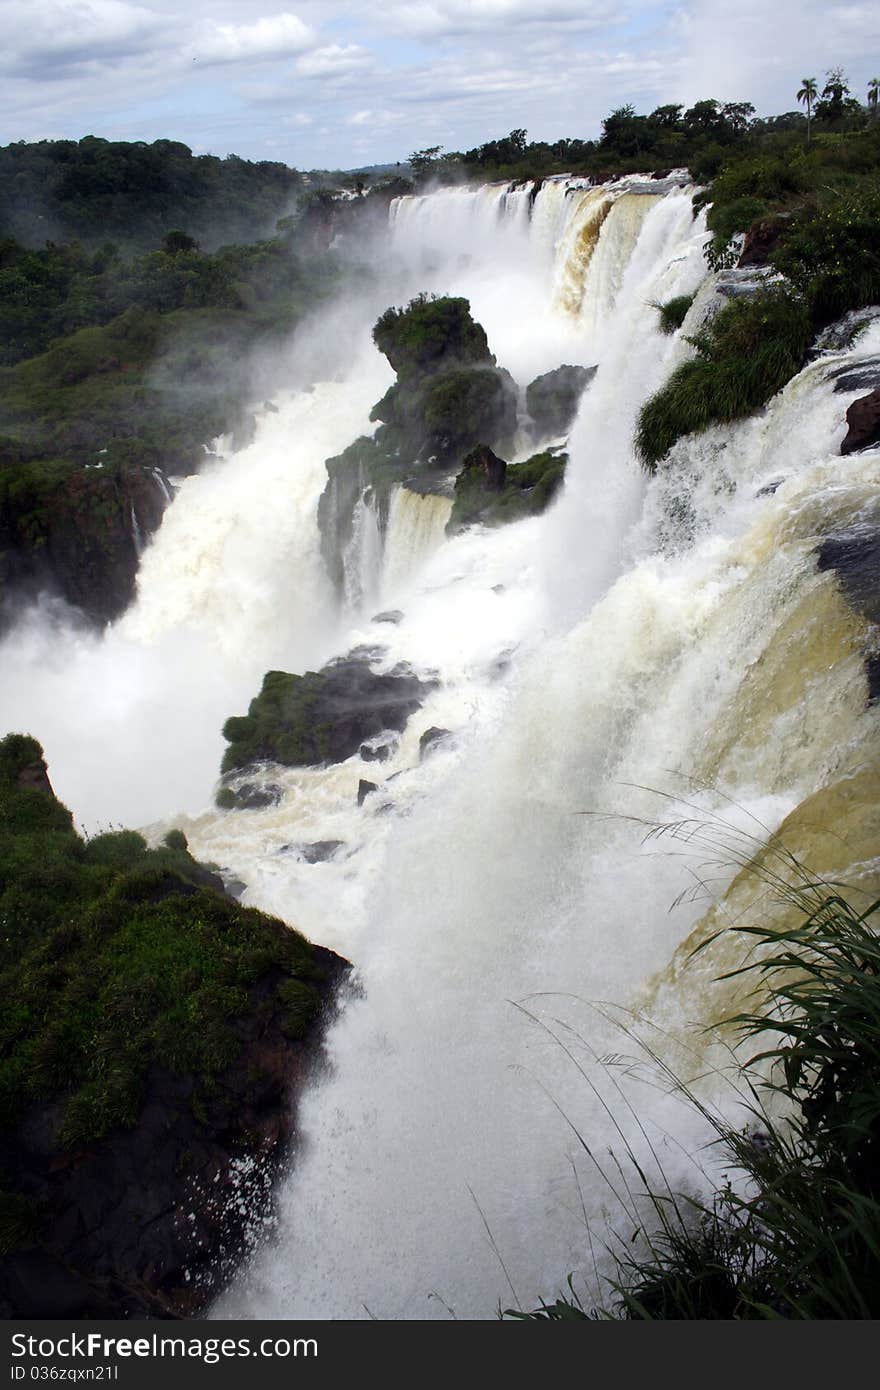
(248, 796)
(863, 420)
(744, 283)
(841, 334)
(76, 534)
(232, 885)
(143, 1209)
(769, 488)
(391, 615)
(378, 749)
(271, 407)
(323, 716)
(760, 239)
(865, 377)
(430, 740)
(855, 557)
(365, 789)
(319, 850)
(552, 399)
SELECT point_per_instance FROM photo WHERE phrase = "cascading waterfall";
(416, 528)
(672, 633)
(363, 555)
(137, 538)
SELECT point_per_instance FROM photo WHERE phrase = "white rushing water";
(672, 634)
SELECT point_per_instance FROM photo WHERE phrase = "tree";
(736, 116)
(625, 134)
(175, 242)
(836, 96)
(422, 161)
(666, 116)
(808, 94)
(873, 96)
(704, 116)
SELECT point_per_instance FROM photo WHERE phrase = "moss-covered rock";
(449, 395)
(430, 335)
(493, 492)
(76, 531)
(552, 399)
(322, 716)
(152, 1039)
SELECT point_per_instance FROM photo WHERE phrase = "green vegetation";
(798, 1235)
(430, 334)
(115, 958)
(744, 355)
(279, 725)
(674, 312)
(322, 716)
(93, 190)
(448, 397)
(517, 491)
(125, 366)
(811, 211)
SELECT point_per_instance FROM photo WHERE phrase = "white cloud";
(277, 36)
(375, 118)
(40, 38)
(298, 118)
(332, 60)
(758, 53)
(442, 18)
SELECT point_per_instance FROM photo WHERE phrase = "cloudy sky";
(340, 83)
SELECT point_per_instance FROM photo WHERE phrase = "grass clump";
(674, 312)
(802, 1238)
(797, 1234)
(115, 958)
(744, 356)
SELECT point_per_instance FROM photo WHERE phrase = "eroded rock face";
(449, 395)
(855, 558)
(492, 492)
(82, 540)
(141, 1139)
(323, 716)
(760, 239)
(152, 1221)
(863, 419)
(552, 399)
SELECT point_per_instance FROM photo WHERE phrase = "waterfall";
(136, 537)
(162, 484)
(416, 528)
(363, 555)
(493, 888)
(672, 633)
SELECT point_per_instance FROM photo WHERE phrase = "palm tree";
(873, 96)
(808, 94)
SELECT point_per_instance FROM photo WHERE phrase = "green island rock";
(320, 717)
(493, 492)
(448, 397)
(154, 1036)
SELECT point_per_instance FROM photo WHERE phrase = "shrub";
(744, 355)
(114, 958)
(674, 312)
(832, 256)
